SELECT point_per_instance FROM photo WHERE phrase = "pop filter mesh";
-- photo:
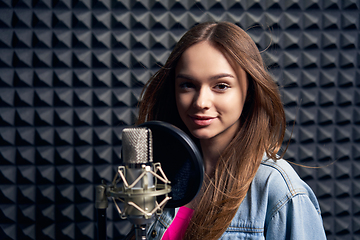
(181, 179)
(180, 160)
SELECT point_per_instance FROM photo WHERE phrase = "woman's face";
(210, 93)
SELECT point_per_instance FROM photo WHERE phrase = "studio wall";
(71, 73)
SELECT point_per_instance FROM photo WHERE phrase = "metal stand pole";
(140, 232)
(101, 205)
(101, 222)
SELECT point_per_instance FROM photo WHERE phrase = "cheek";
(183, 101)
(231, 104)
(179, 106)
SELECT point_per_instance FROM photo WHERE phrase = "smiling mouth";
(202, 120)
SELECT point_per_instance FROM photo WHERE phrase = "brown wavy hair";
(262, 124)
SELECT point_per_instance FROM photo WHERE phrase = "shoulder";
(292, 206)
(281, 183)
(275, 185)
(275, 189)
(280, 177)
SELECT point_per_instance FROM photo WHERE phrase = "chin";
(201, 135)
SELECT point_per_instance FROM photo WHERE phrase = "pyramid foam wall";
(71, 73)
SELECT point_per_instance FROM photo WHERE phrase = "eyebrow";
(221, 75)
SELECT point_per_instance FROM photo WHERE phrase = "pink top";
(177, 228)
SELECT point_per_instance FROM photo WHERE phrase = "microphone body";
(138, 163)
(139, 177)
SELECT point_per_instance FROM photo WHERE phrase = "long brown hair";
(262, 124)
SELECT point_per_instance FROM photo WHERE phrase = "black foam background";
(71, 73)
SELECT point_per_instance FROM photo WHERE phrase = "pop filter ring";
(177, 136)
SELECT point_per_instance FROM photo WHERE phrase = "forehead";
(202, 53)
(206, 58)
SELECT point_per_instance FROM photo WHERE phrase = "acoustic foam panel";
(71, 73)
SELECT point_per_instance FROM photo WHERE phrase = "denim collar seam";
(245, 229)
(284, 175)
(164, 220)
(284, 201)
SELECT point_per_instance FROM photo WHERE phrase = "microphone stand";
(101, 204)
(140, 232)
(139, 216)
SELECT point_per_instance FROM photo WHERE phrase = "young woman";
(215, 87)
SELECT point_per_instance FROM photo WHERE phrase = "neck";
(212, 149)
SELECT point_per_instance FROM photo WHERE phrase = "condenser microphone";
(142, 181)
(137, 158)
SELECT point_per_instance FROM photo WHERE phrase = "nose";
(203, 99)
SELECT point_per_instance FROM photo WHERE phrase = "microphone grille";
(137, 145)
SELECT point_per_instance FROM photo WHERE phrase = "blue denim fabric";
(278, 205)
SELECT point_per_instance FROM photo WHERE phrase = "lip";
(202, 120)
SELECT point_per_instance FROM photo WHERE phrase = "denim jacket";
(278, 205)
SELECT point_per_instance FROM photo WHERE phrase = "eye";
(222, 86)
(186, 85)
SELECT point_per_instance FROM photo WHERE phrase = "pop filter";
(180, 160)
